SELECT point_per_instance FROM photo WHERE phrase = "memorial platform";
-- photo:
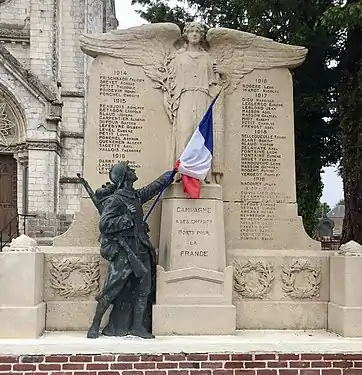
(246, 353)
(266, 341)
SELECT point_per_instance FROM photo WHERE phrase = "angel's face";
(194, 36)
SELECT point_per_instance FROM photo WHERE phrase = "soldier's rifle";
(137, 266)
(90, 192)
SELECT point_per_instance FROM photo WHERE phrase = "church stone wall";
(86, 16)
(72, 58)
(21, 51)
(71, 164)
(14, 11)
(41, 159)
(73, 113)
(44, 38)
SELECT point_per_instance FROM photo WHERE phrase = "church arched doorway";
(12, 134)
(8, 195)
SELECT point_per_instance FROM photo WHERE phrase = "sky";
(126, 15)
(332, 191)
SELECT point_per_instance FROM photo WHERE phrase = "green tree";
(345, 19)
(287, 21)
(340, 202)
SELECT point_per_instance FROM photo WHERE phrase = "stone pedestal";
(345, 306)
(22, 310)
(72, 278)
(194, 286)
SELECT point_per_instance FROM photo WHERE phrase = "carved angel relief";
(144, 46)
(191, 68)
(155, 46)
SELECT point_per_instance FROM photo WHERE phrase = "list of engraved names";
(121, 119)
(260, 160)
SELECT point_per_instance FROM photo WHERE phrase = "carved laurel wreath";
(61, 271)
(265, 278)
(288, 277)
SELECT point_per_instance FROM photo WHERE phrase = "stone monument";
(148, 89)
(325, 228)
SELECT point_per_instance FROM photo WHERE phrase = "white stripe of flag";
(195, 161)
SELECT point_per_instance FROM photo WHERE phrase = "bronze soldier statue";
(126, 245)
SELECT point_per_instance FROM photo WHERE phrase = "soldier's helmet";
(118, 172)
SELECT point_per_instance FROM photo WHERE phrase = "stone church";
(43, 78)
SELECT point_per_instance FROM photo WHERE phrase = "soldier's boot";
(138, 328)
(102, 307)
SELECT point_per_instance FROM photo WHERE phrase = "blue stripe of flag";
(206, 127)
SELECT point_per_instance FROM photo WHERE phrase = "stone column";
(22, 175)
(345, 306)
(22, 310)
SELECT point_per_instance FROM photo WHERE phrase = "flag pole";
(172, 175)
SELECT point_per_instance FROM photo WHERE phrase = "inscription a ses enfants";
(194, 230)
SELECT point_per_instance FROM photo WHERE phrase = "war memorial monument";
(237, 258)
(149, 88)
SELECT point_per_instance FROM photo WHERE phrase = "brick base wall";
(184, 364)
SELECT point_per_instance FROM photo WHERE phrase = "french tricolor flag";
(195, 161)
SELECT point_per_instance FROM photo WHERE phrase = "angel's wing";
(150, 46)
(139, 45)
(240, 53)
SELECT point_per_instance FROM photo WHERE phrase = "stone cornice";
(65, 134)
(15, 33)
(72, 94)
(17, 36)
(39, 144)
(69, 180)
(46, 145)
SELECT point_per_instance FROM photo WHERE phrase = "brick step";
(186, 364)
